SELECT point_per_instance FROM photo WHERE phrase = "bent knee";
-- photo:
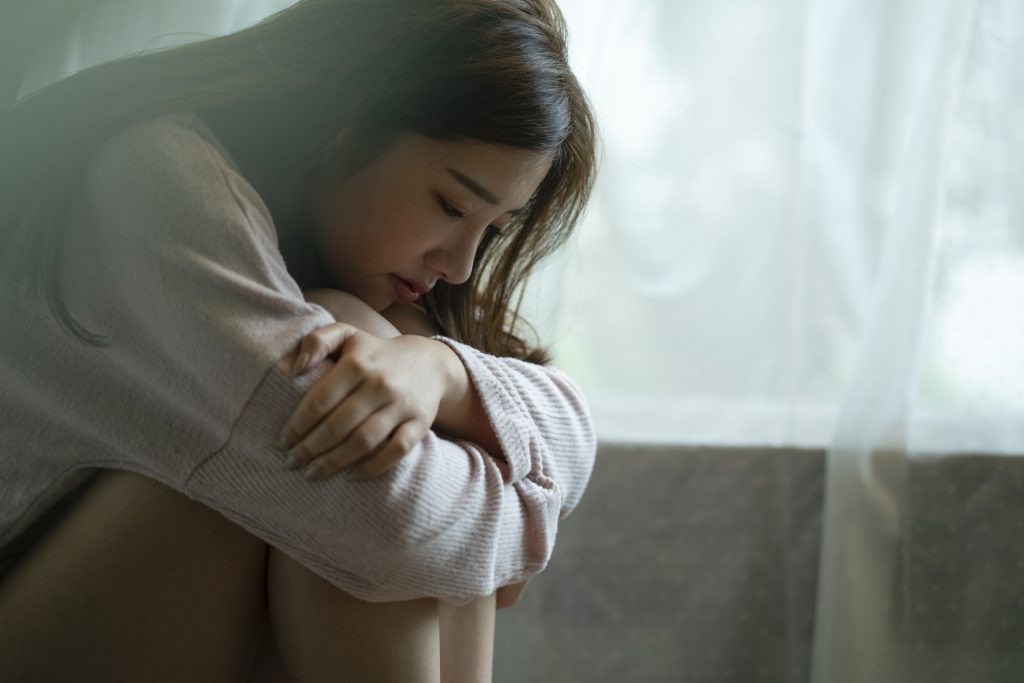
(349, 309)
(318, 627)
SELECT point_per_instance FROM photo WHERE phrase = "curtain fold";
(916, 71)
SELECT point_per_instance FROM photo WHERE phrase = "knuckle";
(335, 431)
(354, 341)
(406, 439)
(418, 429)
(317, 406)
(316, 337)
(388, 384)
(363, 439)
(358, 364)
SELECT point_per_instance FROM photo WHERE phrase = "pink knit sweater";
(174, 259)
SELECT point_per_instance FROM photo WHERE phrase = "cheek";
(393, 226)
(368, 222)
(342, 223)
(374, 233)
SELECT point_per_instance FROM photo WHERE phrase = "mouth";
(406, 291)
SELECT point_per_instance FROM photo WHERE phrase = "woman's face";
(417, 213)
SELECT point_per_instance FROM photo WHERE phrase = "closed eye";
(448, 209)
(456, 215)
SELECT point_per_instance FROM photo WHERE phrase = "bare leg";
(467, 641)
(322, 632)
(466, 636)
(268, 667)
(466, 644)
(136, 582)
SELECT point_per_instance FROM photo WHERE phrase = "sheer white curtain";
(940, 366)
(809, 231)
(756, 156)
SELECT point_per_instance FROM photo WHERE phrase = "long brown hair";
(494, 71)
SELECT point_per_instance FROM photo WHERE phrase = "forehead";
(509, 173)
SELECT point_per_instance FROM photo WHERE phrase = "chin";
(379, 301)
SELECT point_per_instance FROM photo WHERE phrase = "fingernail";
(300, 363)
(285, 442)
(311, 472)
(293, 461)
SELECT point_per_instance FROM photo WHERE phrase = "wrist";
(454, 404)
(461, 413)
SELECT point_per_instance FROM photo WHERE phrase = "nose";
(454, 261)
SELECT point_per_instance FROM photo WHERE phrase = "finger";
(342, 428)
(401, 443)
(319, 344)
(373, 392)
(326, 466)
(363, 442)
(320, 401)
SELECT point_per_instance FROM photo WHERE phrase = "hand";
(375, 404)
(506, 596)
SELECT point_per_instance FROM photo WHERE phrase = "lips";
(415, 285)
(408, 291)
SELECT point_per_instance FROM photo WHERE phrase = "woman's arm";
(406, 319)
(538, 418)
(461, 413)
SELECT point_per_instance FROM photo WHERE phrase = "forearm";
(461, 414)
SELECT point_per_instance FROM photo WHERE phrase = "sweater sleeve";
(539, 416)
(201, 312)
(448, 521)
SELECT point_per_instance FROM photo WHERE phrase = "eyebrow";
(478, 189)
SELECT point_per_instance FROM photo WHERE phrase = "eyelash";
(455, 214)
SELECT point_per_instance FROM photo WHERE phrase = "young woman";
(297, 245)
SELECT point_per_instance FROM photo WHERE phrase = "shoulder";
(166, 143)
(172, 170)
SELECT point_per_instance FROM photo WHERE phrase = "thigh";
(322, 633)
(135, 582)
